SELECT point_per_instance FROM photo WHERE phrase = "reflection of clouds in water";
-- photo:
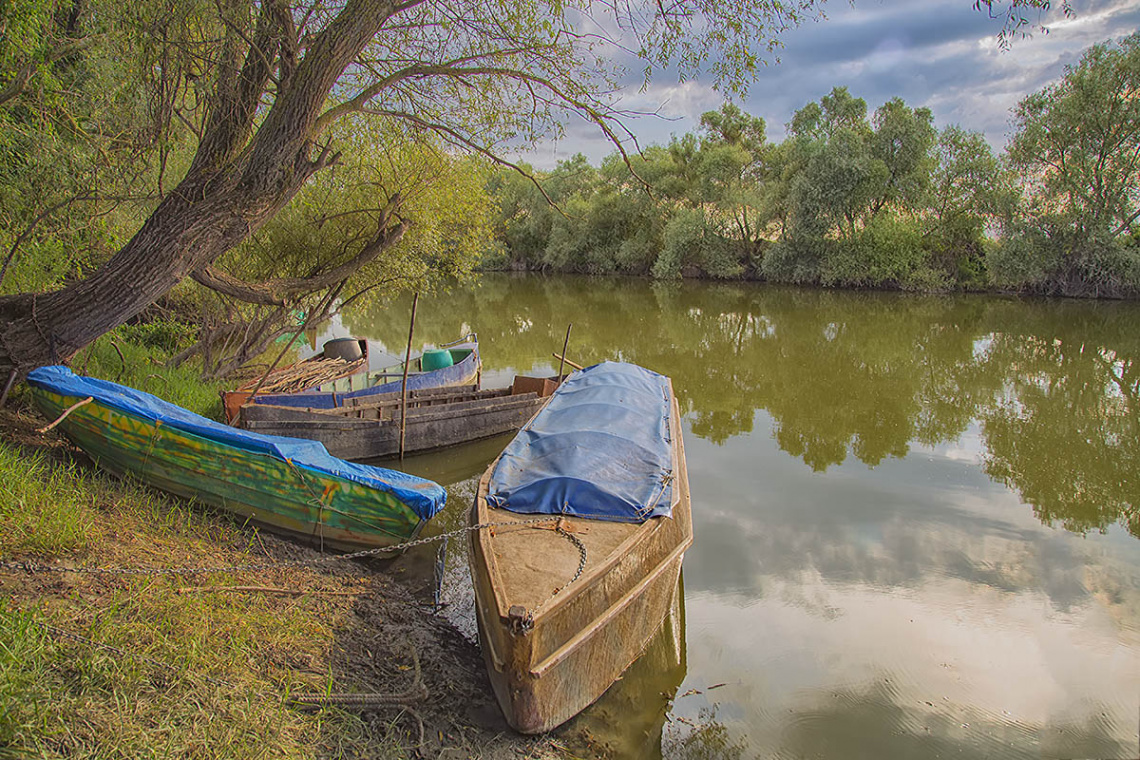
(968, 447)
(899, 524)
(805, 588)
(930, 670)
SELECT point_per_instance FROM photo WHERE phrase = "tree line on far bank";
(852, 199)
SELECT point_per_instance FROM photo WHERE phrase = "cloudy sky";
(936, 53)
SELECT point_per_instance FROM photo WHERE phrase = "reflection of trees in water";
(706, 738)
(841, 373)
(1066, 434)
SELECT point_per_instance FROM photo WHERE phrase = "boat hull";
(233, 400)
(465, 371)
(436, 419)
(552, 651)
(320, 507)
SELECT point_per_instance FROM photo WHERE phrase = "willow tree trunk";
(241, 176)
(179, 237)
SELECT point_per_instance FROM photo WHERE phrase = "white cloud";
(941, 54)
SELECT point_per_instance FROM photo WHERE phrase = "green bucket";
(436, 358)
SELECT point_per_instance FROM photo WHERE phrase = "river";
(916, 517)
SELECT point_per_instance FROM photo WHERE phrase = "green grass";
(40, 510)
(60, 697)
(142, 680)
(137, 356)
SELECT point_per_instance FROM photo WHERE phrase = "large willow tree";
(259, 83)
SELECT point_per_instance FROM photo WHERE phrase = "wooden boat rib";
(553, 647)
(464, 370)
(436, 418)
(289, 485)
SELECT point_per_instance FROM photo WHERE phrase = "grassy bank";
(181, 665)
(137, 666)
(189, 665)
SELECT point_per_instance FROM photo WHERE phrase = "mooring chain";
(416, 692)
(581, 554)
(33, 567)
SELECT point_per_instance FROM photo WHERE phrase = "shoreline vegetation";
(853, 200)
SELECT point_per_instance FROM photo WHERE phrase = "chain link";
(581, 556)
(33, 568)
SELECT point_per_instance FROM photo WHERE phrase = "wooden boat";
(289, 485)
(557, 627)
(339, 358)
(463, 366)
(369, 427)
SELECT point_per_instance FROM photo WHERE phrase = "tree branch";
(279, 291)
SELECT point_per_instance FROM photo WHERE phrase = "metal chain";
(32, 567)
(581, 556)
(415, 693)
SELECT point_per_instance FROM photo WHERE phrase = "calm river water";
(916, 517)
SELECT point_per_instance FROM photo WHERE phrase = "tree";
(853, 189)
(318, 252)
(968, 190)
(273, 77)
(1077, 147)
(80, 137)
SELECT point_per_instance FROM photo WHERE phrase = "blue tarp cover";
(600, 449)
(423, 496)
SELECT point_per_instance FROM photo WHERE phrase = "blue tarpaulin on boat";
(423, 496)
(600, 449)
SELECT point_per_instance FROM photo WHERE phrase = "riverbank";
(206, 665)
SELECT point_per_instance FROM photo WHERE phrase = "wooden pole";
(66, 412)
(404, 384)
(565, 343)
(7, 387)
(562, 358)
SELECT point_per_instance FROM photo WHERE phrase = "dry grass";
(160, 696)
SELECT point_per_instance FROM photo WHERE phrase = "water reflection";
(867, 375)
(915, 517)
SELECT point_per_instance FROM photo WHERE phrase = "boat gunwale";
(469, 342)
(423, 404)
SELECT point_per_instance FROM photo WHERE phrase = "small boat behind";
(450, 365)
(369, 427)
(566, 606)
(289, 485)
(339, 358)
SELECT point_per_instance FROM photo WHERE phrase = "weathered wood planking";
(437, 418)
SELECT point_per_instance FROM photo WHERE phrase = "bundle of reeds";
(306, 374)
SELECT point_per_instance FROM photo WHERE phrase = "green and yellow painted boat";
(289, 485)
